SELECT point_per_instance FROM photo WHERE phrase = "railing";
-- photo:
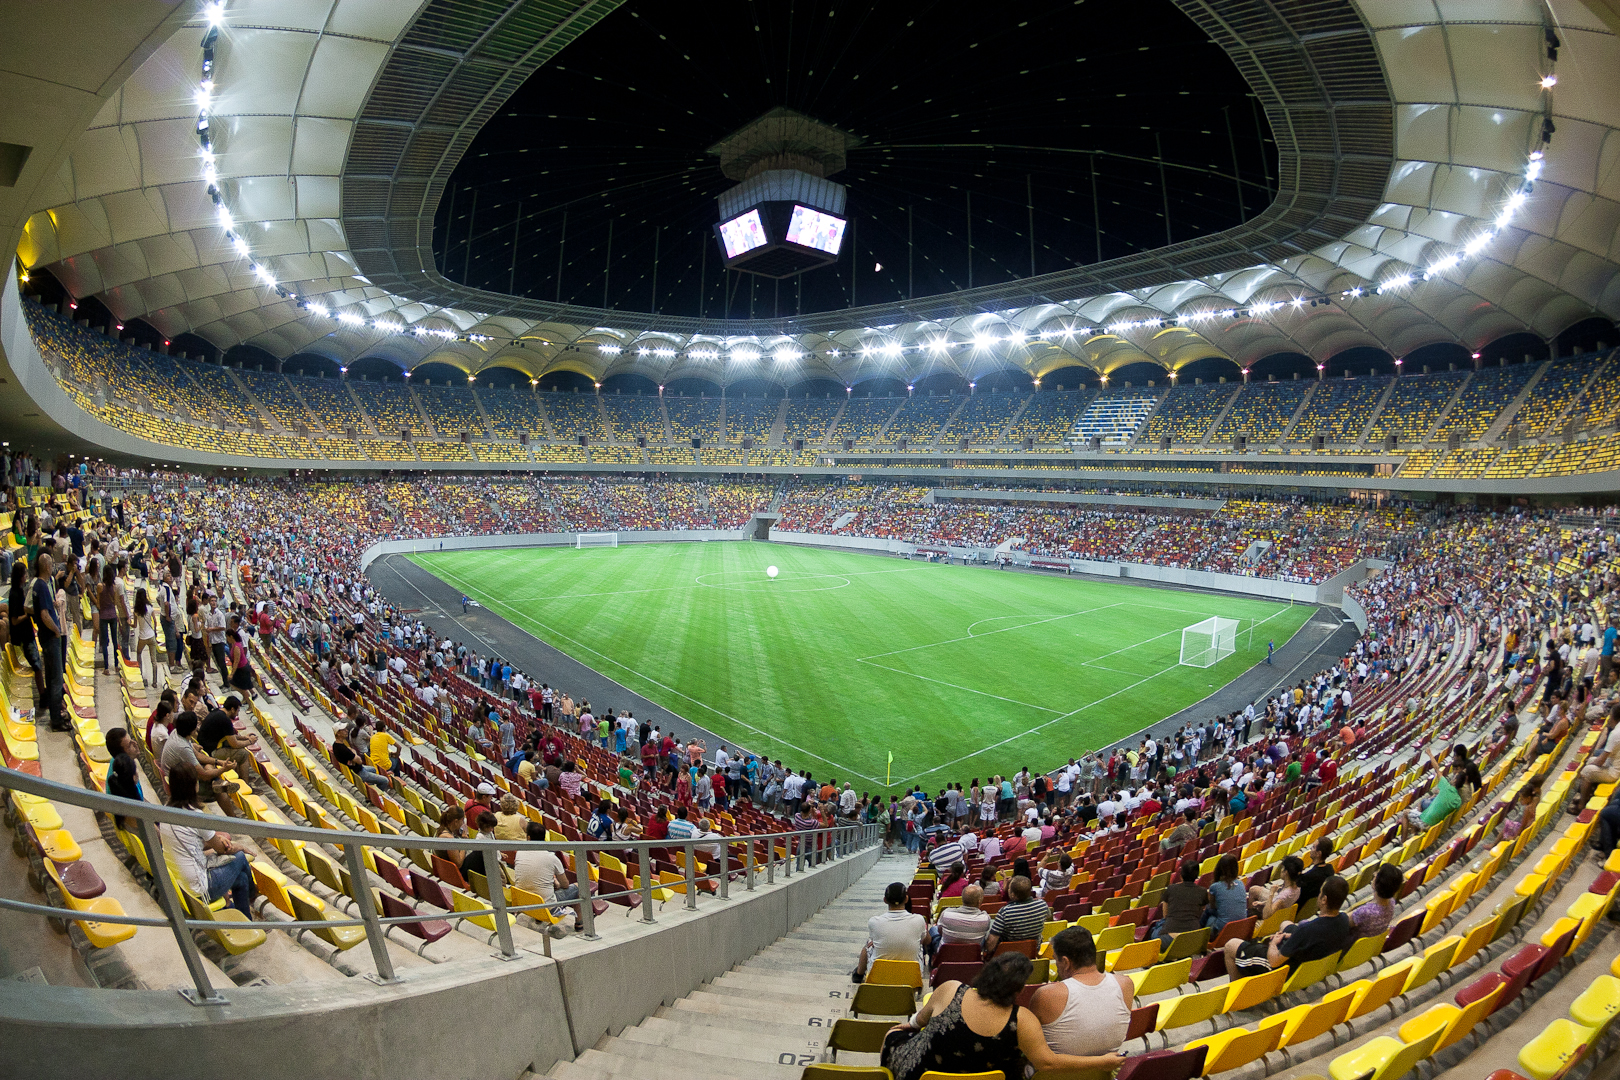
(803, 848)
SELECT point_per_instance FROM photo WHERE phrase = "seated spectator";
(1020, 919)
(474, 861)
(383, 748)
(896, 934)
(542, 872)
(1265, 900)
(681, 828)
(944, 856)
(1183, 906)
(1310, 882)
(1187, 830)
(231, 880)
(179, 752)
(1085, 1012)
(1375, 915)
(979, 1028)
(954, 881)
(1603, 769)
(1443, 798)
(1228, 899)
(343, 753)
(1058, 877)
(963, 925)
(1297, 943)
(510, 822)
(452, 826)
(1524, 815)
(989, 884)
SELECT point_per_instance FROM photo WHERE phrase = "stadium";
(923, 541)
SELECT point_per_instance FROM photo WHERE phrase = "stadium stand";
(636, 417)
(1555, 393)
(920, 419)
(809, 419)
(751, 418)
(453, 409)
(1114, 416)
(1261, 412)
(693, 418)
(864, 419)
(392, 407)
(1413, 406)
(1049, 417)
(1489, 392)
(984, 416)
(1339, 409)
(513, 413)
(1187, 413)
(331, 404)
(575, 415)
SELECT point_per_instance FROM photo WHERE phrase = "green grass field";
(960, 671)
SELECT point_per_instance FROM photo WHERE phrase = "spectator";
(896, 934)
(541, 872)
(384, 750)
(453, 826)
(510, 824)
(979, 1028)
(1375, 916)
(1266, 900)
(1178, 837)
(179, 752)
(483, 800)
(1442, 800)
(1054, 879)
(1020, 919)
(1228, 899)
(474, 863)
(1310, 882)
(988, 883)
(124, 774)
(955, 880)
(218, 737)
(1297, 943)
(964, 925)
(1085, 1012)
(343, 753)
(231, 880)
(1183, 906)
(1603, 769)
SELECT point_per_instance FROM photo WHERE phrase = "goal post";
(592, 540)
(1205, 644)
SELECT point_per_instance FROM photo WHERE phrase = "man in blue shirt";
(1606, 655)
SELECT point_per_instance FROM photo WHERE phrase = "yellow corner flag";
(889, 772)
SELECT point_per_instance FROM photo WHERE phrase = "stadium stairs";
(766, 1018)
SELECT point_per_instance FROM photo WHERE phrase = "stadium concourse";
(1482, 635)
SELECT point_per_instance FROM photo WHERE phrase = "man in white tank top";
(1086, 1012)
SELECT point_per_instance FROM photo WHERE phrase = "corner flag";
(888, 772)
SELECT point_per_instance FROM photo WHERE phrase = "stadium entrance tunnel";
(760, 525)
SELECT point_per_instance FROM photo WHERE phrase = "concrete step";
(770, 1014)
(626, 1061)
(801, 965)
(789, 992)
(729, 1053)
(808, 984)
(788, 1024)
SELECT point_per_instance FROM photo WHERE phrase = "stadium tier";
(982, 419)
(809, 418)
(751, 419)
(637, 417)
(1187, 413)
(1261, 413)
(693, 418)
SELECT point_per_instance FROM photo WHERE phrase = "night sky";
(1002, 108)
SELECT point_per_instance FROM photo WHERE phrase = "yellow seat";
(888, 972)
(1187, 944)
(1138, 954)
(101, 935)
(1379, 991)
(857, 1036)
(1311, 971)
(1598, 1003)
(1475, 938)
(41, 815)
(1161, 977)
(1271, 924)
(1361, 951)
(1383, 1058)
(1114, 937)
(994, 1074)
(235, 942)
(1236, 1047)
(342, 938)
(1559, 1046)
(1249, 992)
(1191, 1008)
(1305, 1022)
(1436, 959)
(1452, 1023)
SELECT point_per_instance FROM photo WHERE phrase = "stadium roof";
(1402, 135)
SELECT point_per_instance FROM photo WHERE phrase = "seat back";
(1165, 1065)
(873, 999)
(857, 1036)
(1360, 952)
(1244, 1048)
(887, 972)
(1407, 1057)
(1190, 1009)
(1236, 930)
(1188, 944)
(1311, 971)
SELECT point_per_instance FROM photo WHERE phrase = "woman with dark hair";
(956, 880)
(123, 775)
(989, 882)
(979, 1028)
(1228, 899)
(1465, 774)
(195, 647)
(146, 628)
(1021, 868)
(107, 617)
(1375, 915)
(1266, 900)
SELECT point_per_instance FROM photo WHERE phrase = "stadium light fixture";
(214, 13)
(1476, 356)
(1549, 81)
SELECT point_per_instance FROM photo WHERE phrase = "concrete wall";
(531, 1012)
(524, 540)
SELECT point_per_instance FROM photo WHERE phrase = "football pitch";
(844, 658)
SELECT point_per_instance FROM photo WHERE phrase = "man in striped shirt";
(1021, 919)
(948, 854)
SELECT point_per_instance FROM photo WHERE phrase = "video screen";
(743, 233)
(814, 229)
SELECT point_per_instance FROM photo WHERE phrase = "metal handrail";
(803, 845)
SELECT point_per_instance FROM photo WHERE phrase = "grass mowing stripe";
(841, 662)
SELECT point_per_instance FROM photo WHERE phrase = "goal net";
(1207, 643)
(587, 540)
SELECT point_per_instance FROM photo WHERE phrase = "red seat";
(81, 880)
(1028, 948)
(1164, 1065)
(429, 891)
(1605, 882)
(1403, 931)
(429, 930)
(1208, 967)
(957, 972)
(958, 952)
(1143, 1019)
(1237, 929)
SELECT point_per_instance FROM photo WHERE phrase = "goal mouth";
(1205, 644)
(593, 540)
